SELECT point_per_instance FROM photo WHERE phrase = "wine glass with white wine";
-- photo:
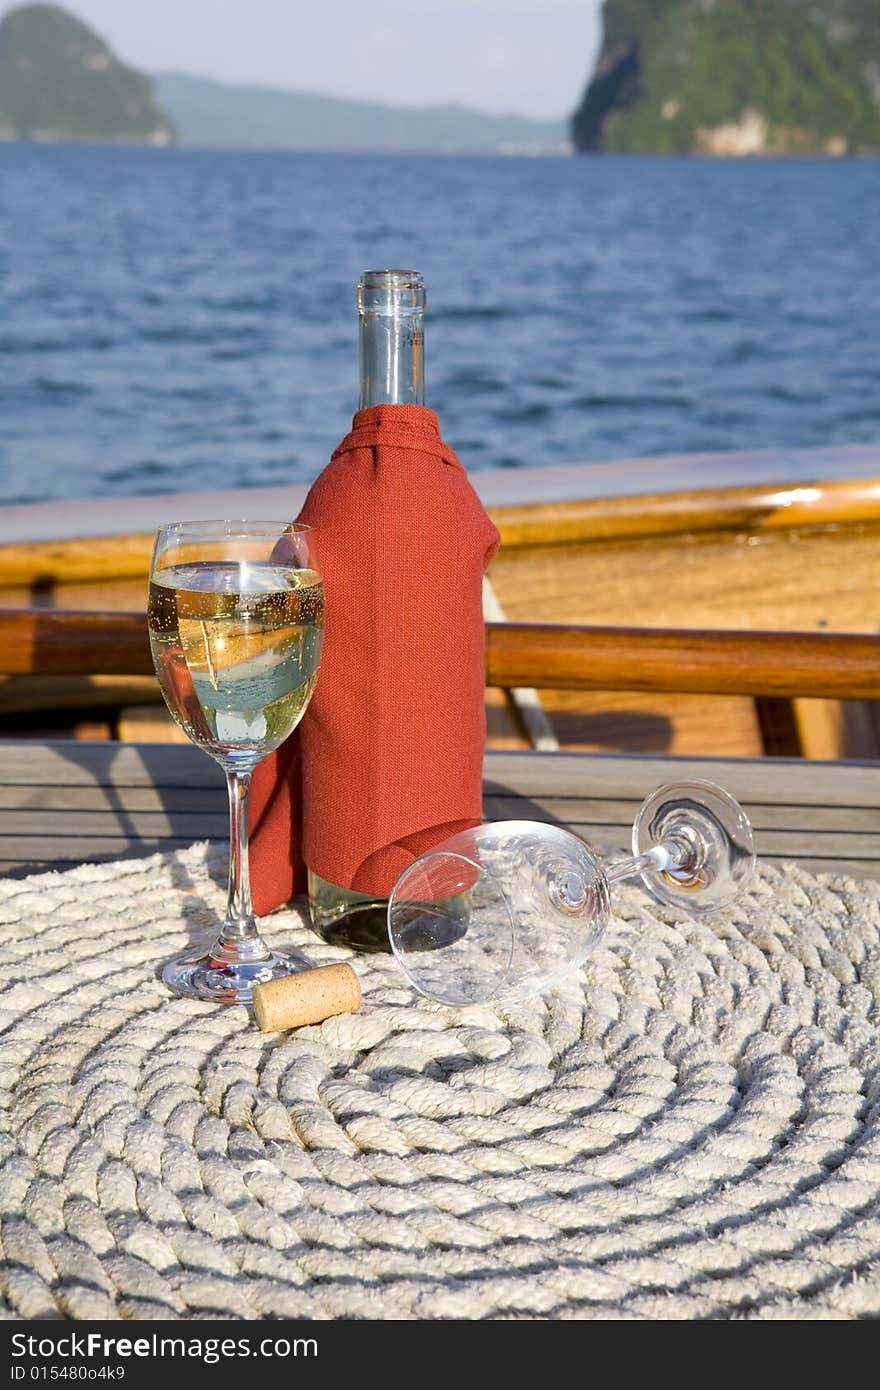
(236, 619)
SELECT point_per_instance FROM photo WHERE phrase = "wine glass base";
(200, 975)
(712, 836)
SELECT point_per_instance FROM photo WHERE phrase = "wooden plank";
(179, 801)
(620, 776)
(836, 729)
(572, 811)
(66, 803)
(781, 833)
(63, 763)
(33, 853)
(146, 825)
(824, 579)
(118, 595)
(24, 852)
(45, 563)
(841, 844)
(148, 724)
(762, 780)
(580, 514)
(599, 721)
(786, 844)
(605, 721)
(835, 827)
(26, 694)
(777, 468)
(611, 850)
(93, 797)
(752, 507)
(503, 729)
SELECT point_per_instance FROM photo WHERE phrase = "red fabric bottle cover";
(388, 758)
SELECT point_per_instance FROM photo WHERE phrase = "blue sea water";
(178, 319)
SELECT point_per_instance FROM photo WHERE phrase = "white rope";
(688, 1128)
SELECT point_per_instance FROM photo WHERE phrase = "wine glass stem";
(239, 938)
(658, 857)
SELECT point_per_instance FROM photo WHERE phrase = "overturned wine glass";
(508, 909)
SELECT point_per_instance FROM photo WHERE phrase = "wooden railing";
(56, 642)
(683, 660)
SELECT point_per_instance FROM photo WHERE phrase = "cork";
(306, 997)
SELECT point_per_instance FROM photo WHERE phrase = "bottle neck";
(391, 310)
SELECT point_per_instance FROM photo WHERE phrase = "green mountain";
(220, 114)
(735, 77)
(59, 80)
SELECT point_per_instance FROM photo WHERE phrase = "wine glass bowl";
(501, 911)
(236, 623)
(506, 910)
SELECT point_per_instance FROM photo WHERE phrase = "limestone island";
(60, 81)
(735, 77)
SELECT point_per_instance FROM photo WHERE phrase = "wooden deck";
(67, 802)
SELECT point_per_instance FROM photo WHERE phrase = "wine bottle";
(391, 310)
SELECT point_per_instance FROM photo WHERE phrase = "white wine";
(236, 646)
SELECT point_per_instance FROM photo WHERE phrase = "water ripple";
(205, 336)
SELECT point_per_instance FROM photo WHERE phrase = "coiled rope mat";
(688, 1128)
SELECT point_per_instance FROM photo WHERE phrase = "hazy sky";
(531, 56)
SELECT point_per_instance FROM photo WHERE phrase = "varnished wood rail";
(62, 642)
(548, 656)
(684, 661)
(754, 507)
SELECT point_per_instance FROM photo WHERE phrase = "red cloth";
(390, 750)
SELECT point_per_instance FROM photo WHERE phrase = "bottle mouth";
(392, 279)
(391, 291)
